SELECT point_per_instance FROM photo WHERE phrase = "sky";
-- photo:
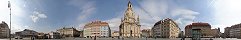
(50, 15)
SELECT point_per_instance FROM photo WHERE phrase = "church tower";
(130, 25)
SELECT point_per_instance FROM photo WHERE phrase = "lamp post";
(9, 6)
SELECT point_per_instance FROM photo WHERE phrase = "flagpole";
(9, 6)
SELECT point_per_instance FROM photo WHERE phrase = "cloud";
(17, 27)
(151, 11)
(86, 8)
(184, 16)
(226, 13)
(37, 15)
(114, 23)
(18, 14)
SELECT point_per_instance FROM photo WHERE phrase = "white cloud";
(17, 27)
(227, 13)
(37, 15)
(152, 11)
(81, 26)
(114, 23)
(17, 14)
(185, 16)
(86, 8)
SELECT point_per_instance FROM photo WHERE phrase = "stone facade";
(68, 32)
(130, 25)
(233, 32)
(166, 28)
(115, 34)
(4, 30)
(54, 35)
(97, 28)
(146, 33)
(216, 32)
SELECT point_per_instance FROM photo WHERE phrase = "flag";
(9, 5)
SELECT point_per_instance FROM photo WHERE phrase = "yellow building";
(130, 25)
(166, 28)
(68, 32)
(115, 34)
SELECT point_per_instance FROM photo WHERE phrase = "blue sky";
(49, 15)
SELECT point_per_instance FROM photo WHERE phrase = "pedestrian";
(95, 38)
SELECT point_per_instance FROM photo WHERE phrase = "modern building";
(97, 28)
(115, 34)
(4, 30)
(130, 24)
(203, 29)
(26, 33)
(54, 35)
(68, 32)
(233, 32)
(166, 28)
(146, 33)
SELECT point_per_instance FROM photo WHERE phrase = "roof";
(164, 20)
(96, 23)
(199, 24)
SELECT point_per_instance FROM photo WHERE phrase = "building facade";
(81, 33)
(130, 25)
(97, 28)
(233, 32)
(4, 30)
(115, 34)
(41, 35)
(205, 29)
(26, 33)
(166, 28)
(54, 35)
(68, 32)
(146, 33)
(216, 32)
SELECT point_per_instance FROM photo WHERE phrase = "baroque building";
(68, 32)
(130, 24)
(166, 28)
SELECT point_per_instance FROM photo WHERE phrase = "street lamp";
(9, 6)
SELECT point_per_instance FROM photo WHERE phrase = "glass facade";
(196, 34)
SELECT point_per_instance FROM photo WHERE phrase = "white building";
(97, 28)
(54, 35)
